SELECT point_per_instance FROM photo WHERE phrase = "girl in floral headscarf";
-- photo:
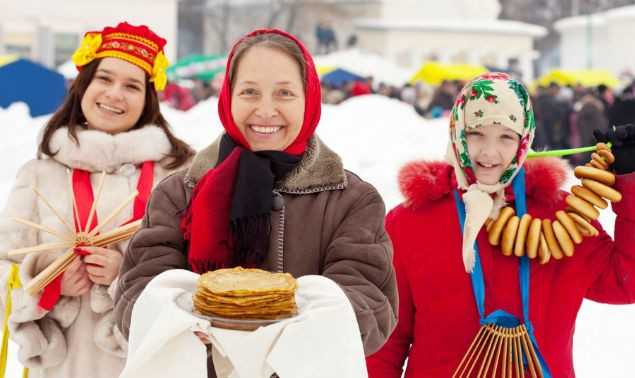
(452, 281)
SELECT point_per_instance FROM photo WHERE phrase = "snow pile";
(375, 136)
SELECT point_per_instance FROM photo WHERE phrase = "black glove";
(622, 140)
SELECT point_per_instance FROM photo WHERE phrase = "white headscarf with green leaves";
(490, 99)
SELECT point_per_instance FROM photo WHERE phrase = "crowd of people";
(565, 115)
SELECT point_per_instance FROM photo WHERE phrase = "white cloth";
(322, 341)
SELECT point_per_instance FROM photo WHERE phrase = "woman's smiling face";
(115, 97)
(268, 98)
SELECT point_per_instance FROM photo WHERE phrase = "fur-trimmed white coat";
(78, 337)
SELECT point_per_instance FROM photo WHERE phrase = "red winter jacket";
(438, 318)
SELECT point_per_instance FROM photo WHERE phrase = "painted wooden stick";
(564, 152)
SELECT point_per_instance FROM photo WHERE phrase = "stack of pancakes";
(240, 293)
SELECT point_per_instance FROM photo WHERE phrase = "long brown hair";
(70, 115)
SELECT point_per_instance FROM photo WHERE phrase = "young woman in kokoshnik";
(110, 122)
(441, 231)
(292, 206)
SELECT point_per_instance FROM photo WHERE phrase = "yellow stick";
(95, 201)
(493, 345)
(530, 361)
(475, 358)
(113, 214)
(458, 372)
(117, 233)
(57, 214)
(498, 351)
(41, 248)
(518, 357)
(40, 227)
(73, 201)
(533, 353)
(33, 287)
(59, 271)
(44, 279)
(506, 353)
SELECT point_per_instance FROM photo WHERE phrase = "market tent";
(68, 70)
(201, 67)
(42, 89)
(434, 73)
(323, 70)
(5, 59)
(339, 77)
(364, 64)
(588, 78)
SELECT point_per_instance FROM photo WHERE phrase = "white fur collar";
(100, 151)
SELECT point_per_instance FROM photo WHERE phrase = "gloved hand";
(622, 139)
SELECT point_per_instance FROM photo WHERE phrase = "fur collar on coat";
(100, 151)
(424, 182)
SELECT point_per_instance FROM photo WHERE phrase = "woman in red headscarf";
(269, 194)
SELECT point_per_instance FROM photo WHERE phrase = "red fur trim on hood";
(423, 182)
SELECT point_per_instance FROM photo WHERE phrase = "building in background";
(411, 32)
(49, 31)
(226, 20)
(599, 41)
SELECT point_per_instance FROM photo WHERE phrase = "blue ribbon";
(500, 317)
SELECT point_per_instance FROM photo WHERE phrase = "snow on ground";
(375, 136)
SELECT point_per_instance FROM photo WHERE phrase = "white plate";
(184, 301)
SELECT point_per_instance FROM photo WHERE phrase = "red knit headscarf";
(312, 97)
(219, 235)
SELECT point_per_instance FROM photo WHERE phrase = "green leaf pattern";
(508, 173)
(483, 89)
(465, 156)
(520, 91)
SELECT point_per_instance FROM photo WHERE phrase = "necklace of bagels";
(557, 237)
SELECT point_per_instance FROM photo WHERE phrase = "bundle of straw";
(73, 239)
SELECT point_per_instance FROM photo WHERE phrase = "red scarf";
(83, 191)
(206, 222)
